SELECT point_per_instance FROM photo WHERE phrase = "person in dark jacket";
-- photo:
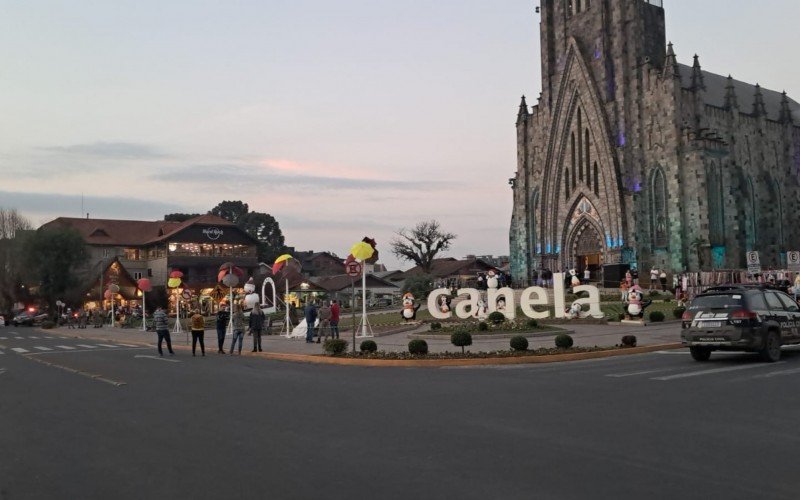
(238, 327)
(256, 325)
(223, 317)
(311, 319)
(162, 330)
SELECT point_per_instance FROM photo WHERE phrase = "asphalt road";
(114, 421)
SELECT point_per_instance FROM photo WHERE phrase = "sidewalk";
(583, 335)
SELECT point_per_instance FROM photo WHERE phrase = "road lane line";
(18, 338)
(2, 371)
(158, 358)
(87, 346)
(42, 348)
(107, 345)
(623, 375)
(19, 349)
(34, 338)
(129, 345)
(778, 373)
(717, 370)
(3, 338)
(68, 348)
(93, 376)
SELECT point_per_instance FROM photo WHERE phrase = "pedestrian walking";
(663, 278)
(162, 330)
(256, 324)
(324, 321)
(238, 327)
(223, 317)
(335, 319)
(311, 319)
(70, 319)
(587, 275)
(198, 332)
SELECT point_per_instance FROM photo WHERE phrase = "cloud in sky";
(108, 150)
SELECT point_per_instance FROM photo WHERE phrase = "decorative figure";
(252, 298)
(636, 303)
(444, 303)
(575, 311)
(574, 280)
(501, 304)
(491, 280)
(409, 312)
(480, 311)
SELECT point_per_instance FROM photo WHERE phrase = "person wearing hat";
(198, 332)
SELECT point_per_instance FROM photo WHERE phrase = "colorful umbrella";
(362, 251)
(280, 262)
(114, 288)
(176, 274)
(174, 282)
(144, 285)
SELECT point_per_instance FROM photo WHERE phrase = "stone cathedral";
(631, 158)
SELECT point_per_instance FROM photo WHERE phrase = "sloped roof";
(443, 268)
(343, 281)
(716, 88)
(130, 232)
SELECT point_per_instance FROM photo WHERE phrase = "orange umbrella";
(280, 262)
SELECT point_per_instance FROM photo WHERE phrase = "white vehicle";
(2, 321)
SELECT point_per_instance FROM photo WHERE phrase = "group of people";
(328, 315)
(83, 317)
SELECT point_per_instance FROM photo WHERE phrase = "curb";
(435, 363)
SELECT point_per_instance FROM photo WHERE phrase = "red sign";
(353, 269)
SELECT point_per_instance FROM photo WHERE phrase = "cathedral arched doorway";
(585, 250)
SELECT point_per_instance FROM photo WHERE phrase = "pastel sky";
(341, 118)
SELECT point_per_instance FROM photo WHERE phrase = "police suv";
(752, 318)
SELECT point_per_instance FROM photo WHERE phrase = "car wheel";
(772, 348)
(700, 353)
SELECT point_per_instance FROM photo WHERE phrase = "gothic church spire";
(759, 108)
(731, 100)
(698, 82)
(786, 113)
(671, 64)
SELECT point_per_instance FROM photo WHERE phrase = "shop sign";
(213, 233)
(533, 296)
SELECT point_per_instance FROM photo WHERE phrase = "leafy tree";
(53, 255)
(422, 243)
(14, 230)
(259, 225)
(232, 211)
(420, 285)
(178, 217)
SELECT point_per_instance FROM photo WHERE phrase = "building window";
(658, 208)
(566, 185)
(149, 273)
(716, 214)
(137, 275)
(596, 180)
(572, 148)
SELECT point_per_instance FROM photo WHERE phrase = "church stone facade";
(631, 157)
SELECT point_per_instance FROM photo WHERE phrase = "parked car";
(28, 318)
(754, 318)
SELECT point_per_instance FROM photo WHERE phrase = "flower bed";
(474, 355)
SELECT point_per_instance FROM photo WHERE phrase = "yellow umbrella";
(280, 262)
(362, 251)
(173, 282)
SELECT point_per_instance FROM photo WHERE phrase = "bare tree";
(422, 243)
(11, 221)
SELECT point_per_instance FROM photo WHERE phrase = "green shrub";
(656, 316)
(678, 312)
(368, 346)
(461, 338)
(629, 341)
(483, 326)
(436, 326)
(564, 341)
(532, 323)
(519, 343)
(654, 293)
(418, 346)
(496, 317)
(48, 325)
(621, 316)
(335, 346)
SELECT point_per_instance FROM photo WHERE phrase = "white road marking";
(18, 338)
(107, 345)
(623, 375)
(3, 338)
(42, 348)
(34, 338)
(2, 371)
(19, 349)
(727, 353)
(779, 373)
(717, 370)
(1, 352)
(68, 348)
(87, 346)
(159, 358)
(129, 345)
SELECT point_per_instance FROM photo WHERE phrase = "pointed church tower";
(731, 100)
(698, 82)
(671, 66)
(759, 108)
(785, 116)
(523, 113)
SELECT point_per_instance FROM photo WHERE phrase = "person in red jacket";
(335, 319)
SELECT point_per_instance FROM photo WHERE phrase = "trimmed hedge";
(564, 341)
(461, 339)
(368, 346)
(519, 343)
(418, 346)
(496, 317)
(656, 316)
(335, 346)
(483, 326)
(629, 341)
